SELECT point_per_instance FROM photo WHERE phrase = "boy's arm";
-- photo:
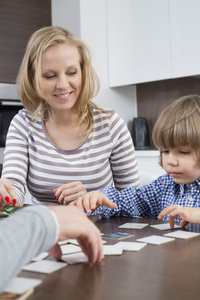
(104, 201)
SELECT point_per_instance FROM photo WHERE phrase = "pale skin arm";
(92, 200)
(73, 224)
(187, 214)
(69, 192)
(7, 193)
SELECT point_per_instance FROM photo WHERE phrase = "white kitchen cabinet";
(185, 37)
(151, 40)
(148, 161)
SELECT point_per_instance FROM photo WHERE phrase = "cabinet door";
(185, 37)
(138, 41)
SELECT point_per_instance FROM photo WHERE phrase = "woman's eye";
(72, 73)
(49, 76)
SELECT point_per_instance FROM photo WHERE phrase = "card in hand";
(117, 235)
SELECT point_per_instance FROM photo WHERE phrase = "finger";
(171, 221)
(183, 223)
(166, 211)
(103, 200)
(55, 252)
(92, 246)
(88, 204)
(7, 192)
(79, 203)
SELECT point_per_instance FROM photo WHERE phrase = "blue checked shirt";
(149, 200)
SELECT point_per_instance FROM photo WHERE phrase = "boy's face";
(181, 164)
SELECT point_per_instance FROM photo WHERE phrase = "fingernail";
(55, 197)
(7, 199)
(0, 198)
(14, 201)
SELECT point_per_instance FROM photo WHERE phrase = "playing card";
(155, 239)
(66, 249)
(131, 246)
(68, 241)
(20, 285)
(41, 256)
(112, 250)
(44, 266)
(75, 258)
(182, 234)
(164, 226)
(117, 235)
(133, 225)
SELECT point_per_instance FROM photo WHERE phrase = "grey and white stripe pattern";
(106, 157)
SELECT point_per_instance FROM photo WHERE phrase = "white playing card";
(68, 248)
(133, 225)
(75, 258)
(20, 285)
(112, 250)
(155, 239)
(41, 256)
(131, 246)
(68, 241)
(164, 226)
(182, 234)
(44, 266)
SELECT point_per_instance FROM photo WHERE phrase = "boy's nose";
(172, 159)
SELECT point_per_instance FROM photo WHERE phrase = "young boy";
(177, 136)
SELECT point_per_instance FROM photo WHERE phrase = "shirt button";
(190, 199)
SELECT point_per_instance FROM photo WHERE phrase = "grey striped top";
(105, 158)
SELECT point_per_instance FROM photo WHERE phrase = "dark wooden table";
(168, 271)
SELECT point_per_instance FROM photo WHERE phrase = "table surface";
(168, 271)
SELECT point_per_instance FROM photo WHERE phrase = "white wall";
(87, 19)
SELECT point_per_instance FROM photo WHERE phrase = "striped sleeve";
(123, 161)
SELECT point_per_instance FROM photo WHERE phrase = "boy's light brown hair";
(179, 125)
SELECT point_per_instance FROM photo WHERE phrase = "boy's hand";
(92, 200)
(187, 214)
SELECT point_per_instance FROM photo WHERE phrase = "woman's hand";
(7, 193)
(92, 200)
(69, 192)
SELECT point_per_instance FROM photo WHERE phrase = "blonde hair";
(179, 125)
(30, 70)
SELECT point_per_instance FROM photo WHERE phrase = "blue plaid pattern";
(148, 201)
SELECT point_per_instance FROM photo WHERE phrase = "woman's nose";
(62, 82)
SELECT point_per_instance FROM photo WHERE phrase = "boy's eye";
(185, 152)
(164, 151)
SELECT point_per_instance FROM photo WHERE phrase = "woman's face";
(61, 77)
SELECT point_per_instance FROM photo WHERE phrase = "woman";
(62, 144)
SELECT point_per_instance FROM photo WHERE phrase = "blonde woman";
(61, 144)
